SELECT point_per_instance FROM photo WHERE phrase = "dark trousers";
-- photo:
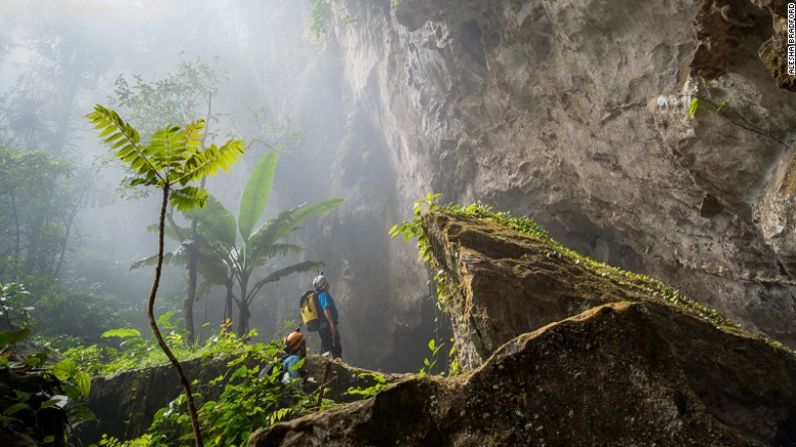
(326, 342)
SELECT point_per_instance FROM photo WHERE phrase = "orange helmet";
(295, 342)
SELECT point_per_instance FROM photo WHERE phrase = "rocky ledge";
(125, 403)
(575, 353)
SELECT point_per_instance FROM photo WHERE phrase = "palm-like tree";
(246, 249)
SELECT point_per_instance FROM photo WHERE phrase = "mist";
(275, 84)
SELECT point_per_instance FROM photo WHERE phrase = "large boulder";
(126, 402)
(500, 282)
(619, 374)
(561, 350)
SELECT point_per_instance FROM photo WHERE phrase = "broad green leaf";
(121, 333)
(306, 266)
(165, 319)
(268, 234)
(260, 256)
(177, 255)
(64, 369)
(83, 383)
(255, 195)
(213, 270)
(217, 221)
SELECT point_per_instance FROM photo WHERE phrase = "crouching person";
(295, 349)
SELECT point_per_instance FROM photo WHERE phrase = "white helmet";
(319, 282)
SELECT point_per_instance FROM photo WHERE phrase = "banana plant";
(245, 248)
(211, 261)
(172, 161)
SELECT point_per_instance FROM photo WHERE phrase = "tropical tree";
(246, 249)
(171, 161)
(175, 98)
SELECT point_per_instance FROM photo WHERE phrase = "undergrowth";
(248, 400)
(135, 351)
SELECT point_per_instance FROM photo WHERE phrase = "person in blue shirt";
(295, 350)
(329, 332)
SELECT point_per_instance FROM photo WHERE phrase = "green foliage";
(15, 306)
(319, 16)
(454, 366)
(40, 195)
(380, 383)
(176, 98)
(68, 371)
(246, 403)
(37, 397)
(122, 333)
(223, 261)
(58, 310)
(134, 351)
(413, 229)
(692, 108)
(430, 362)
(173, 156)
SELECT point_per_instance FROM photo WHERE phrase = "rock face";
(576, 113)
(572, 112)
(126, 403)
(635, 371)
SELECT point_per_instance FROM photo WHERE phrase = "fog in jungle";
(276, 90)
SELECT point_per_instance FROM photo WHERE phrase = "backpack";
(310, 311)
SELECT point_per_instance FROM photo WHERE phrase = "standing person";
(330, 335)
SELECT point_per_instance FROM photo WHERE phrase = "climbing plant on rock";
(171, 161)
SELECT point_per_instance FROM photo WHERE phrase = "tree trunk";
(69, 221)
(186, 385)
(243, 317)
(228, 302)
(193, 254)
(190, 298)
(17, 235)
